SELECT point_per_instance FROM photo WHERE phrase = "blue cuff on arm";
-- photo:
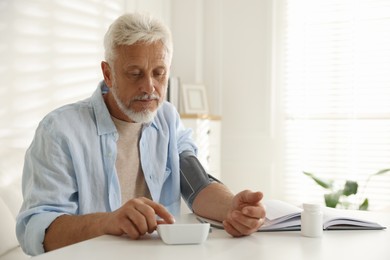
(31, 238)
(193, 177)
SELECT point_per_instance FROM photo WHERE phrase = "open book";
(282, 216)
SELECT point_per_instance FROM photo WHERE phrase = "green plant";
(337, 196)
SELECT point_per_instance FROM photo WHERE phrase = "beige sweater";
(128, 165)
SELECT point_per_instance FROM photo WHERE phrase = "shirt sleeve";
(49, 187)
(184, 138)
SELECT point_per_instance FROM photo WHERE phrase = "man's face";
(137, 80)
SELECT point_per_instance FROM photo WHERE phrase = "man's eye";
(135, 74)
(160, 73)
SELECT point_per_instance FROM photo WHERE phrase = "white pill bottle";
(311, 220)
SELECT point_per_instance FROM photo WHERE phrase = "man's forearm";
(213, 202)
(67, 230)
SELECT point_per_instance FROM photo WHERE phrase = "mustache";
(146, 97)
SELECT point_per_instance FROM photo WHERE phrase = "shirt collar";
(103, 118)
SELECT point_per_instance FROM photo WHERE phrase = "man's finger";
(257, 211)
(230, 229)
(149, 216)
(251, 197)
(161, 211)
(244, 223)
(139, 220)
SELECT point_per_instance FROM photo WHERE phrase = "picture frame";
(194, 99)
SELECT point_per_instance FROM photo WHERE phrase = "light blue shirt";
(70, 166)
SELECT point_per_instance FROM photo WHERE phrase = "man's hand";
(246, 215)
(241, 214)
(137, 217)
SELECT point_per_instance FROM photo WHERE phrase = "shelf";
(200, 116)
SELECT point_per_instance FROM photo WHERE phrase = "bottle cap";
(311, 206)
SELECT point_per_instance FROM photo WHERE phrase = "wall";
(246, 109)
(235, 57)
(50, 55)
(224, 44)
(158, 8)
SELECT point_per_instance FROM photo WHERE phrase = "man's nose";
(148, 85)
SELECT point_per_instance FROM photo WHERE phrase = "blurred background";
(298, 85)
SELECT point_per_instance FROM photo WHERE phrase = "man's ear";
(107, 73)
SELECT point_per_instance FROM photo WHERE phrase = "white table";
(353, 244)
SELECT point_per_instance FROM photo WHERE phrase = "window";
(50, 53)
(336, 96)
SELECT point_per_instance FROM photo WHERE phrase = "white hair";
(136, 27)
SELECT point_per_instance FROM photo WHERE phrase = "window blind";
(336, 96)
(50, 53)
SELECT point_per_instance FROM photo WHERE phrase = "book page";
(347, 219)
(280, 210)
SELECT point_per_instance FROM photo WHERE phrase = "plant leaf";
(350, 188)
(382, 172)
(332, 199)
(364, 205)
(327, 184)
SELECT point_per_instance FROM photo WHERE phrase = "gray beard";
(145, 116)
